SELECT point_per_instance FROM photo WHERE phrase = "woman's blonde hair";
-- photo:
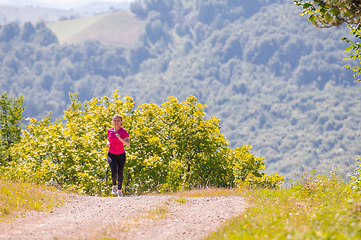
(118, 116)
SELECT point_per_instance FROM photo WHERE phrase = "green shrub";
(172, 148)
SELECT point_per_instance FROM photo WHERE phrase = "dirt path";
(144, 217)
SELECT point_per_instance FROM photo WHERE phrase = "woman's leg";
(113, 167)
(121, 163)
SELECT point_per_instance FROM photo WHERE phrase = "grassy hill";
(67, 28)
(34, 14)
(120, 28)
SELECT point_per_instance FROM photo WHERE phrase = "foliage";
(10, 124)
(321, 207)
(356, 178)
(40, 34)
(181, 150)
(330, 13)
(73, 156)
(137, 7)
(354, 50)
(16, 198)
(172, 148)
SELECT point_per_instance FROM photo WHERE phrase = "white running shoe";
(120, 194)
(114, 190)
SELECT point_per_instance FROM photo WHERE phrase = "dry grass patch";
(210, 192)
(18, 198)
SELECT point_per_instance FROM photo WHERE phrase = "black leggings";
(116, 163)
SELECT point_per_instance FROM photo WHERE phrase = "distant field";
(120, 28)
(65, 29)
(33, 14)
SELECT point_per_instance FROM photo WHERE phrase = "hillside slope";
(119, 28)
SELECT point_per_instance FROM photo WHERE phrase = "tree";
(329, 13)
(44, 36)
(10, 124)
(137, 7)
(178, 147)
(27, 32)
(9, 32)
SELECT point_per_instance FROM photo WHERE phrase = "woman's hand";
(125, 141)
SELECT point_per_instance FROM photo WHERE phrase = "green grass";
(180, 200)
(158, 212)
(19, 198)
(321, 208)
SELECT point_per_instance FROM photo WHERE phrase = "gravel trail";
(142, 217)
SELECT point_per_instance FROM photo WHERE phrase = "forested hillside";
(275, 82)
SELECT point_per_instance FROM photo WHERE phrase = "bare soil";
(136, 217)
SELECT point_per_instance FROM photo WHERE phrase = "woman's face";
(117, 121)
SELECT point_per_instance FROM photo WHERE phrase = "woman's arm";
(125, 141)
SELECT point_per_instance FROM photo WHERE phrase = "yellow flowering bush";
(172, 148)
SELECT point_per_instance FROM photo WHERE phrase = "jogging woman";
(117, 138)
